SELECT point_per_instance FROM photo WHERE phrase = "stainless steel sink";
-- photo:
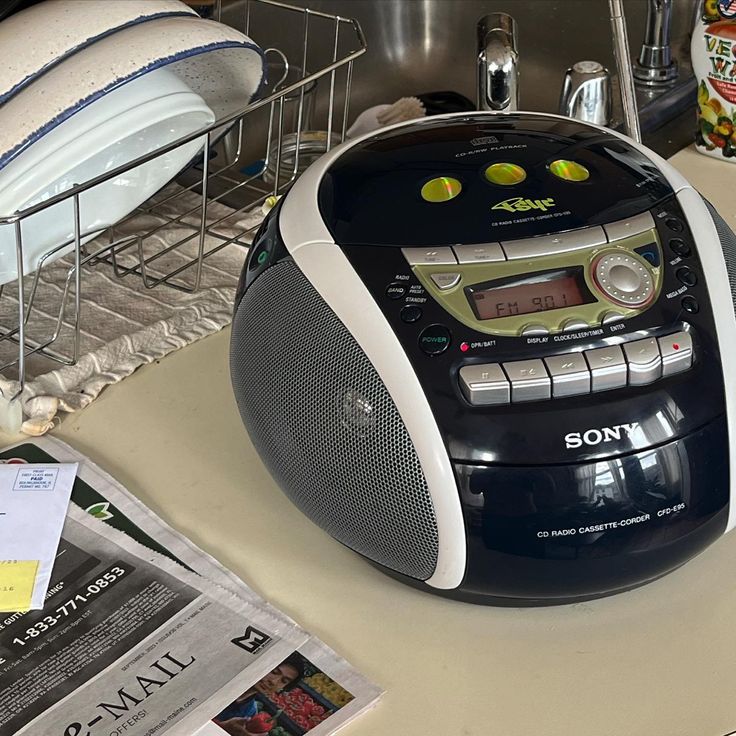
(417, 46)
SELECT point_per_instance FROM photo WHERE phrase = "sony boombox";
(495, 355)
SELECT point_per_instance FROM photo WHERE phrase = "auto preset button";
(485, 385)
(607, 368)
(645, 362)
(529, 380)
(435, 339)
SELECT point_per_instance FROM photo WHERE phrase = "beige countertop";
(652, 662)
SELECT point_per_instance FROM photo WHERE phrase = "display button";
(445, 281)
(485, 385)
(630, 226)
(548, 245)
(624, 279)
(570, 375)
(441, 189)
(607, 367)
(674, 224)
(645, 362)
(435, 339)
(529, 380)
(680, 248)
(505, 174)
(411, 313)
(480, 253)
(677, 353)
(690, 304)
(395, 290)
(531, 330)
(687, 277)
(439, 256)
(569, 170)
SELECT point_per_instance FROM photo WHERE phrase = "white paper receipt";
(33, 506)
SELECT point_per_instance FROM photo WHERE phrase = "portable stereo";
(495, 354)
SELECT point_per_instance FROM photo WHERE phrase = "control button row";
(542, 245)
(636, 363)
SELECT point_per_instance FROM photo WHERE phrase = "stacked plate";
(87, 86)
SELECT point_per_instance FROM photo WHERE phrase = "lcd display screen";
(539, 292)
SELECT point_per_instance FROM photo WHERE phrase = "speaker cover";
(326, 426)
(728, 243)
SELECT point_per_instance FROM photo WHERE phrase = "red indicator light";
(464, 347)
(675, 346)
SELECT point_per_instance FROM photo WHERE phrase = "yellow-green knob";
(441, 189)
(569, 170)
(505, 174)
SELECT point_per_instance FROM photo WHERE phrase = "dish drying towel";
(124, 324)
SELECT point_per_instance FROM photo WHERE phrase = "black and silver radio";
(494, 354)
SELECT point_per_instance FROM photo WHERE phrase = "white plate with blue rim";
(213, 62)
(38, 38)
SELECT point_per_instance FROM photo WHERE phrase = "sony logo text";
(593, 437)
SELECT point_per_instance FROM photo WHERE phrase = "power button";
(435, 339)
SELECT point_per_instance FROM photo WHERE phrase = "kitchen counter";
(654, 661)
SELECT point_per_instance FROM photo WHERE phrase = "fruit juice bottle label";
(714, 62)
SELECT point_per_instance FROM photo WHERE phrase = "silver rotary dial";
(624, 279)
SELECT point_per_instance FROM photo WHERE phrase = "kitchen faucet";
(655, 65)
(498, 63)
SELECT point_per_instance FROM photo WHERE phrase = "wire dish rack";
(252, 164)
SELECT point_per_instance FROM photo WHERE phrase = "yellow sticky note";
(17, 578)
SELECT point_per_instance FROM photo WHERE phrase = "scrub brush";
(407, 108)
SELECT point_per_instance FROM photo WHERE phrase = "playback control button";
(485, 385)
(677, 353)
(529, 380)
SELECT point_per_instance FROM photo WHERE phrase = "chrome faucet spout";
(655, 65)
(498, 63)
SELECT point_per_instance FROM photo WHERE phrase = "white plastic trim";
(719, 289)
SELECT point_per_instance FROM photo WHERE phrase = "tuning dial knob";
(624, 279)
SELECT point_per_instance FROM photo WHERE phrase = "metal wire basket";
(246, 169)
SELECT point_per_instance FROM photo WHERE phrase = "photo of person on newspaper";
(289, 701)
(246, 706)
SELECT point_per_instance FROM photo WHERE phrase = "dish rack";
(219, 176)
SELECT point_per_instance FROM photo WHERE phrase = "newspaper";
(289, 685)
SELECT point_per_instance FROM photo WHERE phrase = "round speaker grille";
(326, 426)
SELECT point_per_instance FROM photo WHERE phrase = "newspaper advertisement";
(134, 645)
(302, 688)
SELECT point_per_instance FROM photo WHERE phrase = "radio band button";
(645, 362)
(529, 380)
(485, 385)
(395, 290)
(608, 368)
